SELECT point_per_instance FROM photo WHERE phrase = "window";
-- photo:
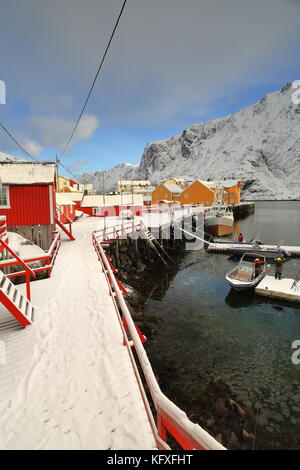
(4, 196)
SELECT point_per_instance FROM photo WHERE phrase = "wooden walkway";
(68, 382)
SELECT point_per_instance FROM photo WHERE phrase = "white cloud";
(32, 147)
(169, 58)
(54, 131)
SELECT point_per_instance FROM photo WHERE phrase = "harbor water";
(211, 335)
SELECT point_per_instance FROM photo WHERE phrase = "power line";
(95, 79)
(66, 169)
(27, 153)
(16, 142)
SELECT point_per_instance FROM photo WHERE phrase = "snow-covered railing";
(3, 230)
(47, 260)
(160, 208)
(118, 231)
(27, 271)
(61, 219)
(170, 418)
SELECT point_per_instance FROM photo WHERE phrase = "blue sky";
(171, 64)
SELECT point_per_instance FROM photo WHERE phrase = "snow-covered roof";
(5, 157)
(209, 184)
(227, 183)
(72, 196)
(27, 173)
(93, 201)
(112, 200)
(173, 188)
(62, 200)
(134, 182)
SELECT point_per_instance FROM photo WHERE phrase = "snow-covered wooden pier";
(70, 380)
(287, 289)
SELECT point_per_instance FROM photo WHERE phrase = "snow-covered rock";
(259, 145)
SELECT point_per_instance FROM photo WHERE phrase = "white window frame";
(96, 210)
(7, 206)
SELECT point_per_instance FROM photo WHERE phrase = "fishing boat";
(249, 272)
(219, 219)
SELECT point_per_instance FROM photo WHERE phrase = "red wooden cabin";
(27, 199)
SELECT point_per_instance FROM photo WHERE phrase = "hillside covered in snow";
(107, 179)
(259, 145)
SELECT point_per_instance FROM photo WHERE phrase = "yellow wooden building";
(232, 191)
(199, 192)
(166, 192)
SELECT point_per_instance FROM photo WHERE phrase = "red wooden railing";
(3, 231)
(28, 272)
(47, 260)
(4, 246)
(170, 418)
(61, 224)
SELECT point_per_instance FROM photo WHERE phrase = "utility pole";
(56, 172)
(103, 192)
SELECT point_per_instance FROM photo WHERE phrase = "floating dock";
(287, 289)
(293, 251)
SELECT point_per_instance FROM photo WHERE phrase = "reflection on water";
(239, 299)
(238, 338)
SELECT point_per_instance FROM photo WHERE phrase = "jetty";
(215, 247)
(286, 289)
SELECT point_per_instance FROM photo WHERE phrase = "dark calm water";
(242, 340)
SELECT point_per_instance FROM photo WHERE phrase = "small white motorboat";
(249, 272)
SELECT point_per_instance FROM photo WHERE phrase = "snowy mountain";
(259, 145)
(109, 178)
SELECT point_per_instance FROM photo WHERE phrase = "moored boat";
(249, 272)
(257, 250)
(219, 219)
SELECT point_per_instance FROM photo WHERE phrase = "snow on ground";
(68, 382)
(23, 247)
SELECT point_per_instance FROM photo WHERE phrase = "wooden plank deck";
(282, 288)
